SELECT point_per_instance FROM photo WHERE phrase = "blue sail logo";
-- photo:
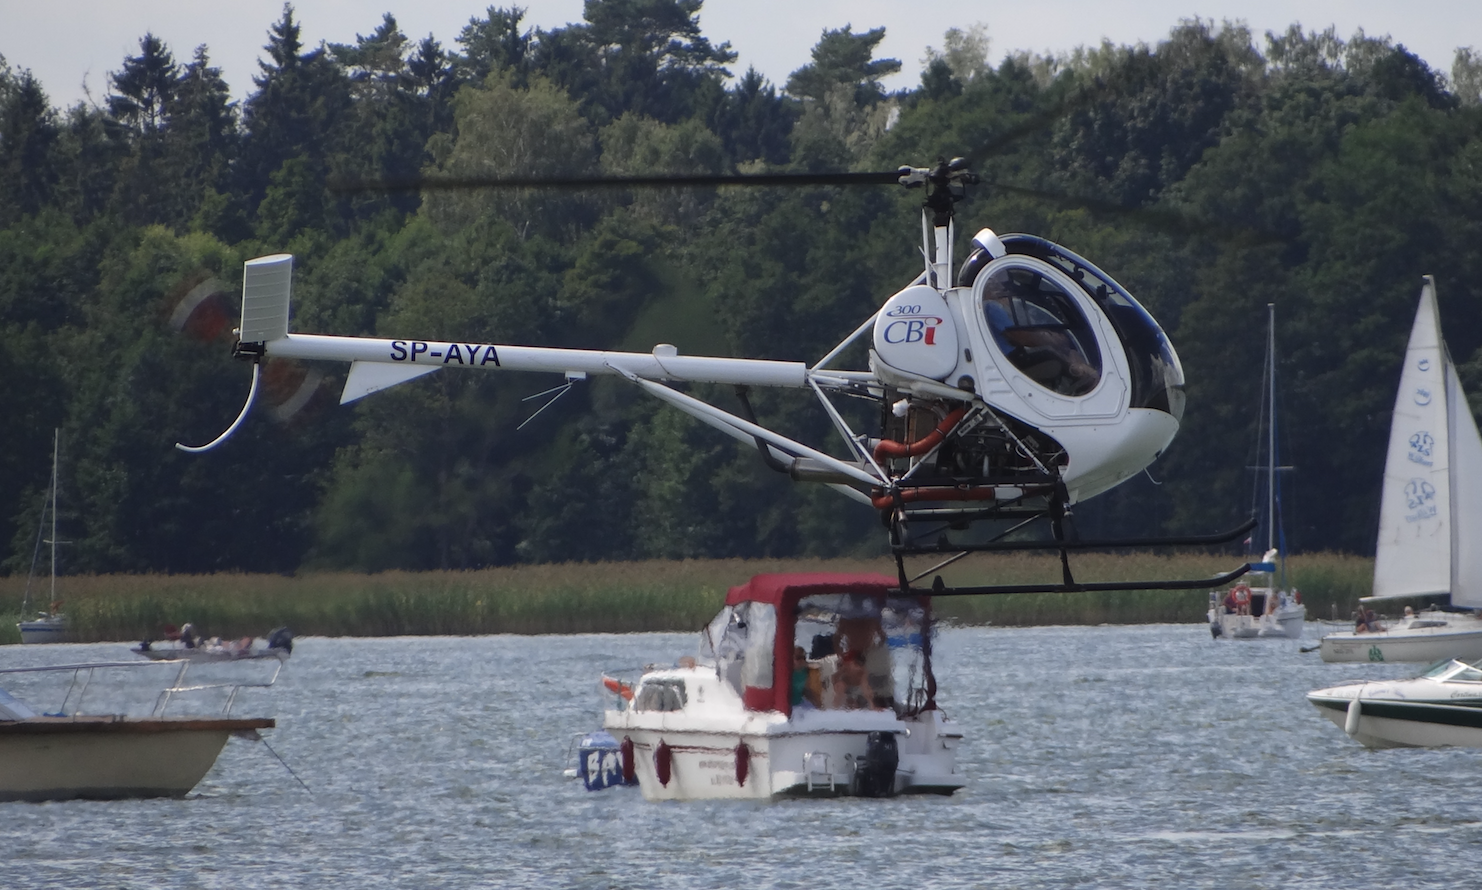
(1421, 446)
(1420, 495)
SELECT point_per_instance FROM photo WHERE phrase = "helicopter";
(1009, 387)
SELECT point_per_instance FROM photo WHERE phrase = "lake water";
(1097, 756)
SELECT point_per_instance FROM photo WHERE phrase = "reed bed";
(626, 597)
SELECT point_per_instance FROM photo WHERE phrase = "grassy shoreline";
(628, 597)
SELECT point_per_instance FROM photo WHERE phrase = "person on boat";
(1367, 622)
(850, 684)
(806, 693)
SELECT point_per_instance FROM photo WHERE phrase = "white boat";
(805, 685)
(1443, 706)
(49, 626)
(1264, 609)
(185, 645)
(1430, 514)
(71, 754)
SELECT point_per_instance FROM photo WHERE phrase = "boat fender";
(663, 763)
(626, 752)
(743, 763)
(874, 774)
(1355, 710)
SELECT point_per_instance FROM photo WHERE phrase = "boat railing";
(83, 674)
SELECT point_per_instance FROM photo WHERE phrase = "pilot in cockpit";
(1034, 337)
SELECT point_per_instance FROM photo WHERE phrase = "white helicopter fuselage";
(1026, 349)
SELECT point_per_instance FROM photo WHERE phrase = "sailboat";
(1430, 513)
(1250, 611)
(49, 626)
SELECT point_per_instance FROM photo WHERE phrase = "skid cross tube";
(939, 588)
(1106, 544)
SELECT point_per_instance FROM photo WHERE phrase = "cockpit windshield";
(1041, 330)
(1157, 375)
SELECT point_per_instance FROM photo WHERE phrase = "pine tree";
(143, 90)
(28, 138)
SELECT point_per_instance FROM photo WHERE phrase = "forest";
(1212, 173)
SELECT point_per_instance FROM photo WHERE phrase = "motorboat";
(1430, 513)
(71, 753)
(804, 685)
(50, 626)
(1267, 608)
(1442, 706)
(185, 645)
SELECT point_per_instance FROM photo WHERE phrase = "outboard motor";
(874, 774)
(282, 638)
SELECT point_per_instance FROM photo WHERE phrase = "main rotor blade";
(1160, 218)
(701, 180)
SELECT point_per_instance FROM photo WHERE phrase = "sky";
(69, 43)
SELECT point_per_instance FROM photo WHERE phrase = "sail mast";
(56, 436)
(1271, 427)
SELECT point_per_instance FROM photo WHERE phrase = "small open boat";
(804, 685)
(184, 645)
(73, 754)
(1442, 706)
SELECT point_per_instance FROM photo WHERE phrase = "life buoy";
(1241, 594)
(618, 687)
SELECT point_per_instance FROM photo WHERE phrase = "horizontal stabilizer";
(368, 377)
(266, 282)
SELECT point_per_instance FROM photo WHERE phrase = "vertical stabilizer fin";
(266, 284)
(368, 377)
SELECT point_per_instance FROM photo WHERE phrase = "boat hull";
(44, 630)
(109, 758)
(786, 757)
(1404, 724)
(1422, 646)
(1286, 624)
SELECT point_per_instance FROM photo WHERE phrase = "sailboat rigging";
(1252, 611)
(49, 626)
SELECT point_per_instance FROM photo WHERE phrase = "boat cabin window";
(741, 639)
(857, 652)
(1041, 330)
(663, 694)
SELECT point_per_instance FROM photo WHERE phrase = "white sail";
(1413, 555)
(1466, 497)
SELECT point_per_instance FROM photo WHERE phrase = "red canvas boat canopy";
(784, 591)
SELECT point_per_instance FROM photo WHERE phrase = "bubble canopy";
(1157, 375)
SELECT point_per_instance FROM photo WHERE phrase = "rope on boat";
(265, 744)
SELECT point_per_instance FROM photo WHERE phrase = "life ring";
(1241, 594)
(617, 687)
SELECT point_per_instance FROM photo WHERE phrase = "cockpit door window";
(1037, 325)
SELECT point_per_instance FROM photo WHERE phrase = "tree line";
(1211, 173)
